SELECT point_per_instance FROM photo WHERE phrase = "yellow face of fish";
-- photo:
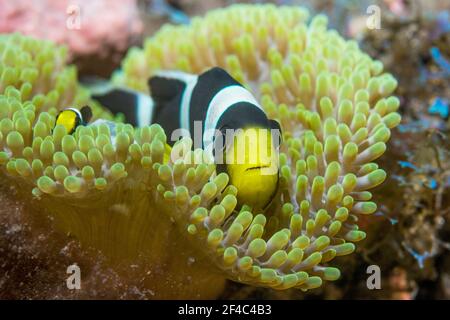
(69, 118)
(252, 164)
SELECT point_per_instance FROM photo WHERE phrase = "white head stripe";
(145, 110)
(190, 80)
(224, 99)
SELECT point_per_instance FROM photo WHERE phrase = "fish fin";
(166, 115)
(218, 75)
(86, 113)
(164, 89)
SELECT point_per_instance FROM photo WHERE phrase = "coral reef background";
(88, 28)
(410, 237)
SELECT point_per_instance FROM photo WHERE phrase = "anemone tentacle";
(333, 103)
(122, 195)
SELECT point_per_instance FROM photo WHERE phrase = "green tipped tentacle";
(122, 196)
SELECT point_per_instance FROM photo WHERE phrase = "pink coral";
(86, 26)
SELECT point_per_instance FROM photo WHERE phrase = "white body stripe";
(221, 102)
(145, 110)
(190, 80)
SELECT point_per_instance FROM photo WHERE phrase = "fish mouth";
(256, 168)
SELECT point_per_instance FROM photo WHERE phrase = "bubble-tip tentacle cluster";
(38, 70)
(336, 113)
(331, 99)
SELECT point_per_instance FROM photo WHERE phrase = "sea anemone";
(180, 218)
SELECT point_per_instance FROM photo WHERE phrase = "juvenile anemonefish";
(71, 118)
(224, 109)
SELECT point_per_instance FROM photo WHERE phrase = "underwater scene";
(232, 150)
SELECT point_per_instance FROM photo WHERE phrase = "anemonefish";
(220, 107)
(71, 118)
